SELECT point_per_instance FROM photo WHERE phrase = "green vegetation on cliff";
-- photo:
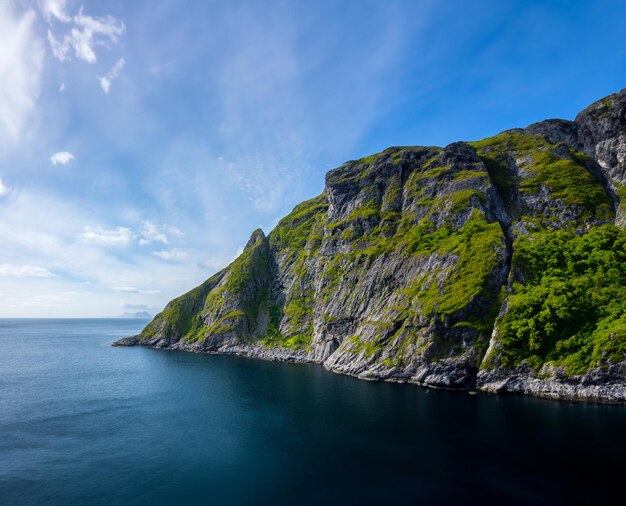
(571, 307)
(298, 236)
(562, 171)
(181, 317)
(234, 299)
(302, 225)
(479, 247)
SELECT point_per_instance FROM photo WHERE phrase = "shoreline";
(594, 387)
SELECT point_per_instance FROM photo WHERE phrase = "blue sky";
(141, 142)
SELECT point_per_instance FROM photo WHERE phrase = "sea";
(82, 422)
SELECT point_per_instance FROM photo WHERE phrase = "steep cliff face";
(422, 264)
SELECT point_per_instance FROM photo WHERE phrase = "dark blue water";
(84, 423)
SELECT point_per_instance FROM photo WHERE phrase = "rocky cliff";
(497, 265)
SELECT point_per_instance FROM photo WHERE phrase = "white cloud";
(55, 9)
(126, 289)
(40, 301)
(39, 228)
(21, 61)
(105, 82)
(59, 49)
(62, 157)
(120, 236)
(84, 34)
(115, 69)
(24, 271)
(132, 289)
(4, 189)
(173, 255)
(152, 233)
(62, 87)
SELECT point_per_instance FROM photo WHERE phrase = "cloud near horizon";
(24, 271)
(132, 289)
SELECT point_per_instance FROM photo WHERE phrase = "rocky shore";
(596, 386)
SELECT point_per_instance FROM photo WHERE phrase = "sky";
(142, 142)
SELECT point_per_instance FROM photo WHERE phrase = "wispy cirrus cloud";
(171, 255)
(38, 301)
(55, 9)
(132, 289)
(105, 81)
(83, 32)
(62, 158)
(147, 233)
(120, 236)
(21, 60)
(25, 270)
(151, 232)
(41, 229)
(4, 189)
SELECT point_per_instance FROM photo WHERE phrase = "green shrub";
(571, 309)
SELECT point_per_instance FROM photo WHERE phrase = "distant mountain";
(139, 314)
(497, 265)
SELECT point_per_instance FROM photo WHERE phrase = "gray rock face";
(601, 133)
(398, 271)
(596, 385)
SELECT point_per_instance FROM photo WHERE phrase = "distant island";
(496, 265)
(139, 314)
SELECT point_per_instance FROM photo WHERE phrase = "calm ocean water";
(82, 422)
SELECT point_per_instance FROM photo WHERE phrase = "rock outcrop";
(413, 265)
